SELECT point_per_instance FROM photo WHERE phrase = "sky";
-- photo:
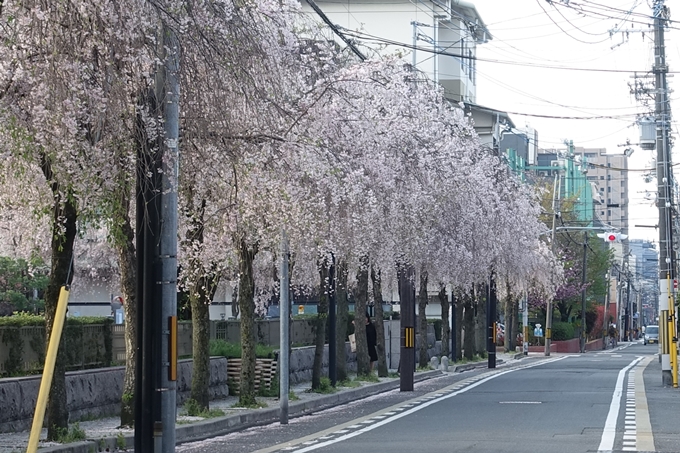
(550, 54)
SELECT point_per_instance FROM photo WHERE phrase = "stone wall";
(93, 393)
(302, 362)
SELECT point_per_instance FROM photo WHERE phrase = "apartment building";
(610, 173)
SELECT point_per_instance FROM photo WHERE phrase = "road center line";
(421, 406)
(609, 432)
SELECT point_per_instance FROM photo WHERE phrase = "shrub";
(67, 436)
(562, 331)
(325, 386)
(222, 348)
(86, 340)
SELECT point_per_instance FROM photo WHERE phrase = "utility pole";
(332, 303)
(407, 301)
(664, 181)
(549, 307)
(491, 322)
(583, 294)
(627, 324)
(525, 324)
(158, 175)
(284, 347)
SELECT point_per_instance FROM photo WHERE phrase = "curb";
(224, 425)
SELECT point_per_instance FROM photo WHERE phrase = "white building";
(438, 37)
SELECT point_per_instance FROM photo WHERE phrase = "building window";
(601, 189)
(602, 177)
(592, 178)
(609, 189)
(609, 177)
(609, 164)
(609, 212)
(602, 213)
(591, 154)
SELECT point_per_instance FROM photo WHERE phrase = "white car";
(651, 334)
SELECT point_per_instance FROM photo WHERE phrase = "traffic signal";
(612, 237)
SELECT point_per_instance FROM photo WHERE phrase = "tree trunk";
(459, 306)
(341, 321)
(200, 297)
(423, 359)
(127, 265)
(480, 320)
(515, 323)
(234, 302)
(360, 302)
(320, 324)
(63, 235)
(469, 322)
(64, 216)
(446, 328)
(246, 304)
(379, 323)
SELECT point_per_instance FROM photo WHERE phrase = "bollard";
(434, 363)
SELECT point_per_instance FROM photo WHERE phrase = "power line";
(367, 36)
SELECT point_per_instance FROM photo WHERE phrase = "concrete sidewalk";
(105, 434)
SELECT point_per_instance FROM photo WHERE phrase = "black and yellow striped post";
(407, 302)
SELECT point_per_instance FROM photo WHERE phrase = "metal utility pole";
(627, 324)
(549, 307)
(158, 174)
(284, 347)
(583, 294)
(664, 181)
(453, 328)
(332, 344)
(525, 324)
(407, 302)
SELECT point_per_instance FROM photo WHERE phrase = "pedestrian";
(371, 341)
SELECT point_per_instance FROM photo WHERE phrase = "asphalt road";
(599, 401)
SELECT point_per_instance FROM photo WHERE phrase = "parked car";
(651, 334)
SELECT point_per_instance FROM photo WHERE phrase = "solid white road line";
(609, 432)
(421, 406)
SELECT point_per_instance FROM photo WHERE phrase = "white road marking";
(422, 406)
(519, 402)
(609, 431)
(645, 437)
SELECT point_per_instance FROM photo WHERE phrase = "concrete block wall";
(93, 393)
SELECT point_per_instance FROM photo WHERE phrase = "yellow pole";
(48, 370)
(672, 345)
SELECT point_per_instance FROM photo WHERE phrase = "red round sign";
(611, 237)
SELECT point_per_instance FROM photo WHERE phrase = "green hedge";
(222, 348)
(562, 331)
(80, 351)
